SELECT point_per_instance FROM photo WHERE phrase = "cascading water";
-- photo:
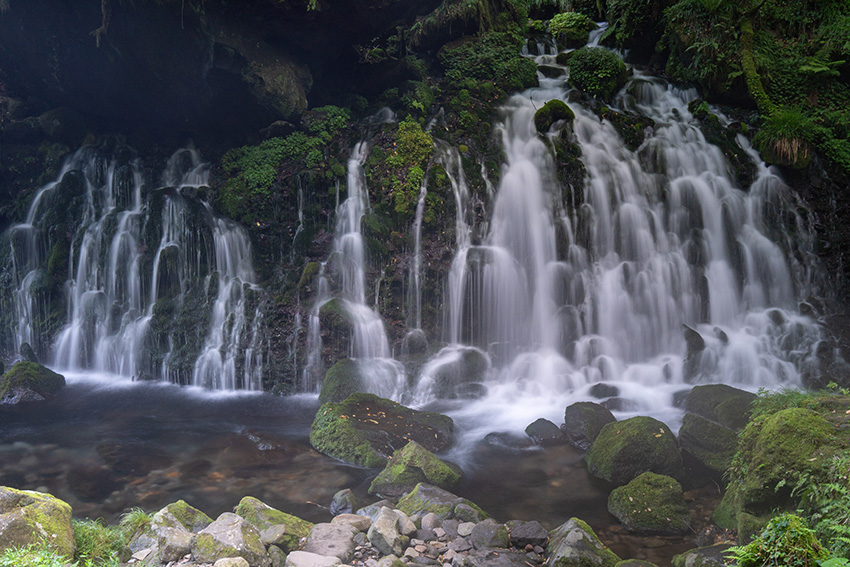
(135, 260)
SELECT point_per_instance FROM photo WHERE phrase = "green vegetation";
(551, 112)
(33, 556)
(98, 545)
(571, 29)
(492, 57)
(786, 542)
(134, 521)
(30, 376)
(597, 71)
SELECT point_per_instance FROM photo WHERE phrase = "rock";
(373, 510)
(722, 404)
(544, 432)
(28, 354)
(527, 533)
(583, 421)
(305, 559)
(430, 521)
(625, 449)
(508, 439)
(552, 112)
(29, 517)
(465, 528)
(602, 391)
(426, 498)
(411, 465)
(489, 534)
(263, 516)
(276, 556)
(359, 523)
(574, 544)
(336, 540)
(709, 444)
(711, 556)
(390, 561)
(230, 536)
(29, 382)
(492, 558)
(456, 370)
(180, 515)
(173, 543)
(693, 357)
(344, 502)
(651, 504)
(405, 524)
(364, 430)
(635, 563)
(273, 535)
(341, 380)
(384, 533)
(231, 562)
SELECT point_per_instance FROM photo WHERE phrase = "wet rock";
(651, 504)
(602, 391)
(508, 439)
(28, 354)
(552, 112)
(341, 380)
(230, 536)
(344, 502)
(92, 484)
(574, 544)
(426, 498)
(29, 517)
(695, 347)
(527, 533)
(133, 459)
(711, 445)
(722, 404)
(365, 429)
(29, 382)
(489, 534)
(373, 510)
(544, 432)
(411, 465)
(305, 559)
(583, 421)
(635, 563)
(468, 513)
(384, 533)
(336, 540)
(625, 449)
(711, 556)
(457, 372)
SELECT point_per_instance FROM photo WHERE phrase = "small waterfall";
(137, 259)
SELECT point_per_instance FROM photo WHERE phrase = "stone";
(574, 544)
(372, 510)
(493, 558)
(332, 540)
(341, 380)
(390, 561)
(708, 443)
(365, 430)
(359, 523)
(174, 543)
(306, 559)
(553, 111)
(426, 498)
(28, 354)
(430, 521)
(180, 515)
(262, 517)
(527, 533)
(711, 556)
(405, 524)
(29, 382)
(635, 563)
(489, 534)
(29, 517)
(344, 502)
(583, 421)
(722, 404)
(231, 562)
(544, 432)
(627, 448)
(273, 535)
(411, 465)
(456, 372)
(651, 504)
(465, 528)
(230, 536)
(601, 391)
(276, 556)
(384, 533)
(468, 513)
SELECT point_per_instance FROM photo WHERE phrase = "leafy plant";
(786, 542)
(786, 136)
(826, 501)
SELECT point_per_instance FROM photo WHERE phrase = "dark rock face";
(29, 382)
(583, 421)
(544, 432)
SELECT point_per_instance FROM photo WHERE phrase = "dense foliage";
(597, 71)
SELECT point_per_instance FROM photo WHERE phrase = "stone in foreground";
(305, 559)
(574, 544)
(29, 517)
(332, 540)
(651, 504)
(263, 517)
(583, 421)
(426, 498)
(411, 465)
(230, 536)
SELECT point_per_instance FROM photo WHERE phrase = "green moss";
(307, 275)
(332, 433)
(709, 443)
(263, 516)
(413, 464)
(551, 112)
(37, 518)
(571, 29)
(341, 380)
(786, 540)
(189, 517)
(32, 376)
(597, 71)
(651, 504)
(489, 57)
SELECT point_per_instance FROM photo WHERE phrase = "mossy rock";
(631, 127)
(454, 374)
(710, 556)
(29, 382)
(307, 275)
(583, 421)
(343, 379)
(651, 504)
(426, 498)
(550, 113)
(711, 445)
(575, 544)
(728, 406)
(365, 430)
(571, 29)
(262, 516)
(597, 71)
(29, 517)
(635, 563)
(230, 535)
(180, 515)
(625, 449)
(411, 465)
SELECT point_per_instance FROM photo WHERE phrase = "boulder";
(708, 443)
(544, 432)
(180, 515)
(489, 534)
(344, 502)
(373, 510)
(262, 517)
(365, 430)
(231, 562)
(651, 504)
(425, 498)
(574, 544)
(28, 354)
(411, 465)
(276, 556)
(341, 380)
(332, 540)
(29, 517)
(627, 448)
(553, 111)
(722, 404)
(583, 421)
(527, 533)
(711, 556)
(635, 563)
(455, 370)
(359, 523)
(173, 544)
(230, 536)
(29, 382)
(384, 533)
(306, 559)
(601, 391)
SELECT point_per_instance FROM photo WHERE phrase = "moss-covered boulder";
(709, 444)
(571, 29)
(728, 406)
(180, 514)
(29, 382)
(426, 498)
(265, 518)
(343, 379)
(551, 112)
(29, 517)
(583, 421)
(365, 430)
(574, 544)
(625, 449)
(411, 465)
(230, 536)
(597, 71)
(710, 556)
(651, 504)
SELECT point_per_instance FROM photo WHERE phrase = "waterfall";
(137, 259)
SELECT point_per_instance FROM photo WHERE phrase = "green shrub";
(571, 29)
(786, 542)
(33, 556)
(597, 71)
(491, 56)
(785, 137)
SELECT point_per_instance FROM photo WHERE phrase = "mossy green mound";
(262, 516)
(425, 498)
(710, 444)
(29, 517)
(728, 406)
(597, 71)
(550, 113)
(411, 465)
(341, 380)
(625, 449)
(29, 381)
(651, 504)
(571, 29)
(365, 430)
(180, 514)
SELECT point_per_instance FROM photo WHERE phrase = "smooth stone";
(332, 540)
(359, 523)
(231, 562)
(465, 529)
(306, 559)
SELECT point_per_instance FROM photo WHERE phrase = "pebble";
(440, 533)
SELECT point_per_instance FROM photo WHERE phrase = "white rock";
(306, 559)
